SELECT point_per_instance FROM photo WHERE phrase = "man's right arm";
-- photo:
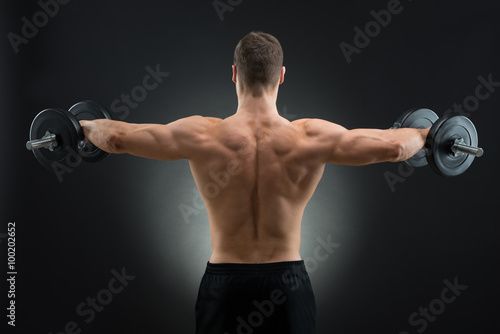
(334, 143)
(184, 138)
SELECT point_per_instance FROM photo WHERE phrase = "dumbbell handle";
(459, 147)
(49, 141)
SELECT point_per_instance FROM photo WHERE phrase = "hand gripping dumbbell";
(55, 134)
(451, 144)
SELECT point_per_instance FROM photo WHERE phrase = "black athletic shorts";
(256, 299)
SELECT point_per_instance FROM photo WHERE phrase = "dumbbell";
(56, 134)
(451, 144)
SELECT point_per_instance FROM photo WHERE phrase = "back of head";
(258, 58)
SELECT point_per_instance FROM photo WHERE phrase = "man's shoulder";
(213, 120)
(198, 123)
(309, 125)
(204, 119)
(308, 122)
(317, 127)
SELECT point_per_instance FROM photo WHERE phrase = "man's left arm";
(180, 139)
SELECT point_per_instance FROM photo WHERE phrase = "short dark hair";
(258, 58)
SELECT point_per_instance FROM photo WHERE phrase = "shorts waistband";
(254, 268)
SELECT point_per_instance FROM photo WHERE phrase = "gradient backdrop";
(395, 246)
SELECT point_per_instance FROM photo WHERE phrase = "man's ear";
(282, 76)
(234, 74)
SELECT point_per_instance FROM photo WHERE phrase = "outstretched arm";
(364, 146)
(180, 139)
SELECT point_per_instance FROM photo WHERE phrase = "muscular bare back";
(256, 179)
(255, 170)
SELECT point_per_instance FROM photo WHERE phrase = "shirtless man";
(255, 280)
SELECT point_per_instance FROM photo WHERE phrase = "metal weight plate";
(90, 110)
(440, 140)
(416, 118)
(68, 133)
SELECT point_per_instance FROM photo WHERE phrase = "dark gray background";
(396, 247)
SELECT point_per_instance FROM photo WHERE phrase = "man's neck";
(261, 105)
